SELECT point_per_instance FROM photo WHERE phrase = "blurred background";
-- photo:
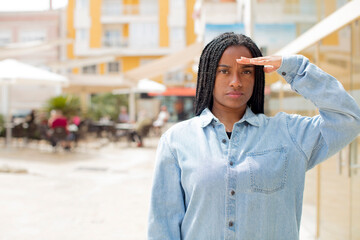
(116, 73)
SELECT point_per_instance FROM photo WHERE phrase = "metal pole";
(132, 107)
(8, 125)
(249, 18)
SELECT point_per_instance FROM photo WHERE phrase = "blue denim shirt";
(249, 187)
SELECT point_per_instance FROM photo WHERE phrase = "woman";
(233, 173)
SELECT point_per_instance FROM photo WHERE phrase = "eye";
(247, 72)
(223, 71)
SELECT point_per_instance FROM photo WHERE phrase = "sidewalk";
(101, 191)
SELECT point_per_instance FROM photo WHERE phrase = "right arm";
(167, 207)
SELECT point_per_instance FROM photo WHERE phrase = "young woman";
(233, 173)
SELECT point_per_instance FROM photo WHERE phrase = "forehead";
(235, 52)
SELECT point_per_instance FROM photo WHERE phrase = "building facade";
(33, 38)
(131, 32)
(23, 29)
(113, 37)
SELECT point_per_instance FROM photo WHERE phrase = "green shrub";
(68, 104)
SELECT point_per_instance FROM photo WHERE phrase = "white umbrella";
(144, 86)
(13, 72)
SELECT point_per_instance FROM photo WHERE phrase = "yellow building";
(112, 37)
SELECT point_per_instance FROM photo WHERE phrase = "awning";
(183, 92)
(165, 64)
(342, 17)
(99, 80)
(68, 64)
(16, 50)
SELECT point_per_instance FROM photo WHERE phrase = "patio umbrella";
(143, 86)
(15, 73)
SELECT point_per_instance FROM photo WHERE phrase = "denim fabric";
(250, 187)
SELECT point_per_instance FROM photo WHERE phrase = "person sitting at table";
(123, 115)
(162, 118)
(59, 130)
(142, 128)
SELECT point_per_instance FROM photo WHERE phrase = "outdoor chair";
(58, 135)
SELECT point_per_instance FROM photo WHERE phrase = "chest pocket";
(268, 169)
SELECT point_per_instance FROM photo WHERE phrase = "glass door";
(335, 183)
(355, 189)
(354, 164)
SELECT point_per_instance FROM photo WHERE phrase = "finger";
(243, 60)
(255, 61)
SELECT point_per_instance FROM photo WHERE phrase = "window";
(81, 4)
(143, 35)
(177, 37)
(112, 7)
(149, 7)
(32, 35)
(5, 38)
(113, 38)
(113, 67)
(82, 34)
(176, 77)
(89, 69)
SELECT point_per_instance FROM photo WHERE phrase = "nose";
(235, 81)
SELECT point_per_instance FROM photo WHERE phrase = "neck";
(228, 117)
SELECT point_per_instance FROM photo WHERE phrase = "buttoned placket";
(230, 198)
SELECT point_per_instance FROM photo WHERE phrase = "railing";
(129, 9)
(117, 43)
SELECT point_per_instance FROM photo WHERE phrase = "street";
(99, 191)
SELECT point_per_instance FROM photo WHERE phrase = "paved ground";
(100, 191)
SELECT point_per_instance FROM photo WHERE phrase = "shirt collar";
(206, 117)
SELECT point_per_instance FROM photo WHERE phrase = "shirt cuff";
(289, 67)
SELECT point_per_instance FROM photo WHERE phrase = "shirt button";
(231, 224)
(232, 192)
(231, 163)
(283, 73)
(223, 141)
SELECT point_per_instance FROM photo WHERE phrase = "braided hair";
(209, 61)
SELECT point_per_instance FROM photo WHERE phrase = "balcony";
(116, 12)
(115, 43)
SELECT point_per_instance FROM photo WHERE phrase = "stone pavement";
(99, 191)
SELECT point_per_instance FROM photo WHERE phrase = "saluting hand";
(270, 63)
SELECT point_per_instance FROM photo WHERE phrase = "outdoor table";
(124, 129)
(106, 127)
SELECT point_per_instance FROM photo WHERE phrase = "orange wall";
(190, 31)
(332, 39)
(70, 28)
(163, 23)
(96, 28)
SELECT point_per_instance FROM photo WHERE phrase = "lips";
(234, 94)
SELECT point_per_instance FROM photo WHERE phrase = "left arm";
(338, 124)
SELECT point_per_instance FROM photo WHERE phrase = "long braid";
(209, 60)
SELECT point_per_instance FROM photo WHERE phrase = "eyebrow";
(223, 65)
(243, 66)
